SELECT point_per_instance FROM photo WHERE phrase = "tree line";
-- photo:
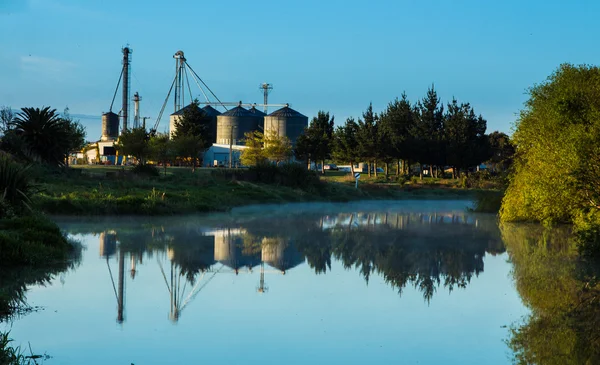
(405, 133)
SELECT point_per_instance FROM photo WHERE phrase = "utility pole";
(231, 147)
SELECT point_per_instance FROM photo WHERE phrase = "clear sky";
(332, 55)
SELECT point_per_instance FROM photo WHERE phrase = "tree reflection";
(425, 251)
(562, 292)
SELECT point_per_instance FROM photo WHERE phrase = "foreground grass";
(116, 191)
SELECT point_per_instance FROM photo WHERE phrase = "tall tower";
(126, 85)
(179, 70)
(136, 109)
(266, 89)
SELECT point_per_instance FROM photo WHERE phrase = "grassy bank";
(117, 190)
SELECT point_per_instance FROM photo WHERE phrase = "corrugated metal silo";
(260, 115)
(110, 126)
(286, 122)
(212, 113)
(234, 123)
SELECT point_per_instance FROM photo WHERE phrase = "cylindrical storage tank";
(108, 244)
(110, 126)
(234, 123)
(260, 115)
(212, 114)
(286, 122)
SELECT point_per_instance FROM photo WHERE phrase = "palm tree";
(43, 134)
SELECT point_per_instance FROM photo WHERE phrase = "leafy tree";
(74, 135)
(253, 154)
(345, 144)
(162, 149)
(464, 134)
(7, 116)
(317, 141)
(42, 134)
(556, 138)
(367, 137)
(192, 133)
(135, 142)
(397, 122)
(427, 131)
(502, 151)
(277, 148)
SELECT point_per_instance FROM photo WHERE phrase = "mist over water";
(369, 282)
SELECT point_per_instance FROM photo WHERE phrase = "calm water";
(379, 282)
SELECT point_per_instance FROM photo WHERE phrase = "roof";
(238, 111)
(182, 110)
(256, 112)
(286, 112)
(210, 111)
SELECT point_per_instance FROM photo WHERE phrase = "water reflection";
(562, 292)
(426, 251)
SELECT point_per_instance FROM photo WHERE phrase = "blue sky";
(332, 55)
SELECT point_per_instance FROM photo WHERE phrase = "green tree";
(502, 151)
(367, 137)
(42, 134)
(7, 116)
(162, 149)
(134, 142)
(317, 141)
(74, 135)
(253, 154)
(427, 131)
(192, 133)
(345, 144)
(556, 138)
(466, 144)
(277, 148)
(397, 121)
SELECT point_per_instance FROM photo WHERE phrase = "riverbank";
(117, 191)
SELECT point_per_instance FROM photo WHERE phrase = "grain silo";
(175, 117)
(260, 115)
(212, 114)
(234, 123)
(286, 122)
(110, 127)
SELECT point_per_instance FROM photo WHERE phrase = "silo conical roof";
(238, 111)
(286, 112)
(256, 112)
(210, 111)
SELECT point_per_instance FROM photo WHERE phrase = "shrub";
(15, 185)
(146, 170)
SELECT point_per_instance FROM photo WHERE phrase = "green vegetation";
(420, 135)
(264, 148)
(557, 163)
(562, 292)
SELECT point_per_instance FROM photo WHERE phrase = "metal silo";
(234, 123)
(110, 126)
(212, 113)
(260, 116)
(286, 122)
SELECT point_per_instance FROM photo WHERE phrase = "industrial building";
(227, 129)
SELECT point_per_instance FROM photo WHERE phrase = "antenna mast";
(126, 85)
(179, 79)
(266, 88)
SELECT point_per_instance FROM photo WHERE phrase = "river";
(412, 282)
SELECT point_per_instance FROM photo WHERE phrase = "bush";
(15, 186)
(587, 234)
(488, 201)
(146, 170)
(482, 180)
(31, 240)
(291, 175)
